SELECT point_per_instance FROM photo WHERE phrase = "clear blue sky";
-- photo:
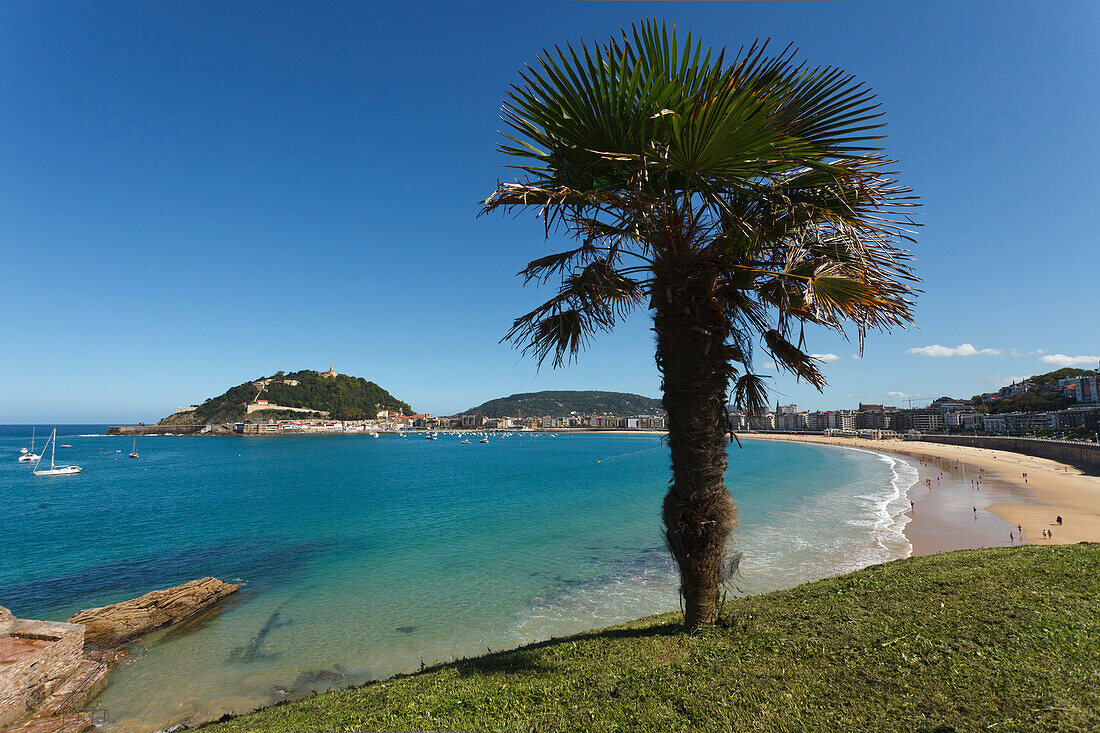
(192, 195)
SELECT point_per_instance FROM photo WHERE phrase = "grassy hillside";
(343, 397)
(1002, 639)
(563, 403)
(1036, 399)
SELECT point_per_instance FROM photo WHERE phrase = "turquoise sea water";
(363, 557)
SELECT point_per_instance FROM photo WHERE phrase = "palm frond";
(793, 359)
(750, 394)
(591, 299)
(562, 333)
(557, 263)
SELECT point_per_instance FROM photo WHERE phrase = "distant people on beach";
(1059, 520)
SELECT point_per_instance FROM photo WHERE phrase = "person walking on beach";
(1059, 520)
(1011, 538)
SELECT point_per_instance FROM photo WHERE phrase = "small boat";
(374, 435)
(429, 436)
(64, 445)
(29, 456)
(133, 451)
(465, 442)
(54, 470)
(484, 440)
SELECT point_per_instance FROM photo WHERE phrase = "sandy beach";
(975, 497)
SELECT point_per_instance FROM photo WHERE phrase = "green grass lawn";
(1001, 639)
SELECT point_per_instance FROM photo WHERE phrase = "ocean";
(364, 557)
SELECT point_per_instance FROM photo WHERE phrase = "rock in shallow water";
(112, 625)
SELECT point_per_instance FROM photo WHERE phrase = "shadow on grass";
(526, 659)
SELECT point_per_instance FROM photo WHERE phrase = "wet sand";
(978, 496)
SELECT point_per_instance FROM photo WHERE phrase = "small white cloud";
(857, 357)
(770, 365)
(903, 395)
(1016, 352)
(828, 358)
(960, 350)
(850, 396)
(1062, 360)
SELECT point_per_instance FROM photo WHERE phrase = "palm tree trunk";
(695, 362)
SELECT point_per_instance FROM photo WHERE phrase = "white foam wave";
(890, 507)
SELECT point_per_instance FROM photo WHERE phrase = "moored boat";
(29, 456)
(54, 470)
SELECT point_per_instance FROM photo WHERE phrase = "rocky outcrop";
(112, 625)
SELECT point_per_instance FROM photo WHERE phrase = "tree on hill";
(1039, 397)
(564, 403)
(736, 200)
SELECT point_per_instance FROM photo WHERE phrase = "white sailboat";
(133, 451)
(29, 456)
(54, 470)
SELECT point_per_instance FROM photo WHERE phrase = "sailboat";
(54, 470)
(29, 456)
(133, 451)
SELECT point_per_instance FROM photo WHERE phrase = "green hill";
(1002, 639)
(563, 403)
(1038, 397)
(343, 397)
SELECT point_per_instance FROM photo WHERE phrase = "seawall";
(1083, 455)
(156, 429)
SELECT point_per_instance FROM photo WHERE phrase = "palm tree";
(738, 201)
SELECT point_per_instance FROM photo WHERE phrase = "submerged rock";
(278, 692)
(112, 625)
(176, 726)
(319, 678)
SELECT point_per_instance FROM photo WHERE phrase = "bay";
(364, 557)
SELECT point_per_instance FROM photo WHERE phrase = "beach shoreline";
(969, 498)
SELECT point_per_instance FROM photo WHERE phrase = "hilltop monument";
(331, 373)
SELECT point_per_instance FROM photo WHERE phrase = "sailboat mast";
(53, 445)
(32, 439)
